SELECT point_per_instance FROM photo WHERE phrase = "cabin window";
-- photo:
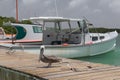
(95, 38)
(102, 37)
(37, 29)
(75, 27)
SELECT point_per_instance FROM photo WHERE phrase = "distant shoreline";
(103, 30)
(12, 20)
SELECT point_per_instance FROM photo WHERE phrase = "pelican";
(47, 59)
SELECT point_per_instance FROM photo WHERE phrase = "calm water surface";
(112, 58)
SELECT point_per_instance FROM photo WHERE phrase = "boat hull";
(72, 50)
(76, 50)
(82, 51)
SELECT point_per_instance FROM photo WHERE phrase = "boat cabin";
(58, 30)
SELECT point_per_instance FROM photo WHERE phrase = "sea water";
(112, 57)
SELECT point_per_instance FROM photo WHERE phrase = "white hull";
(81, 51)
(77, 50)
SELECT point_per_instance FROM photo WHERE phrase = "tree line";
(104, 30)
(10, 29)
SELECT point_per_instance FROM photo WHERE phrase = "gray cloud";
(103, 13)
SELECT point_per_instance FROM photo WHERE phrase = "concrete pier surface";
(24, 66)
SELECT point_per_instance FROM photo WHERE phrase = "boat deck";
(68, 69)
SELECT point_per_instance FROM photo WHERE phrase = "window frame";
(37, 29)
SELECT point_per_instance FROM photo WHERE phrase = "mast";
(16, 10)
(16, 20)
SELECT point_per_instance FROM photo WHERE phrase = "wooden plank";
(68, 69)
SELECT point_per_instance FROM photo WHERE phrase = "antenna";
(16, 10)
(56, 9)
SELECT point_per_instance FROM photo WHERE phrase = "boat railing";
(12, 50)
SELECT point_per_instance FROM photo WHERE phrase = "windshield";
(66, 26)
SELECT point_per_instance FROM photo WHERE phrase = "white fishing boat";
(66, 37)
(26, 34)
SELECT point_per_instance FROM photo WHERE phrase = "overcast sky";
(102, 13)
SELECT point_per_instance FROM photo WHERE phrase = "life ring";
(65, 44)
(89, 43)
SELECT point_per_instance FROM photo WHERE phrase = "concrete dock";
(24, 66)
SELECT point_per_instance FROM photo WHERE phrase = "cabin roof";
(53, 19)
